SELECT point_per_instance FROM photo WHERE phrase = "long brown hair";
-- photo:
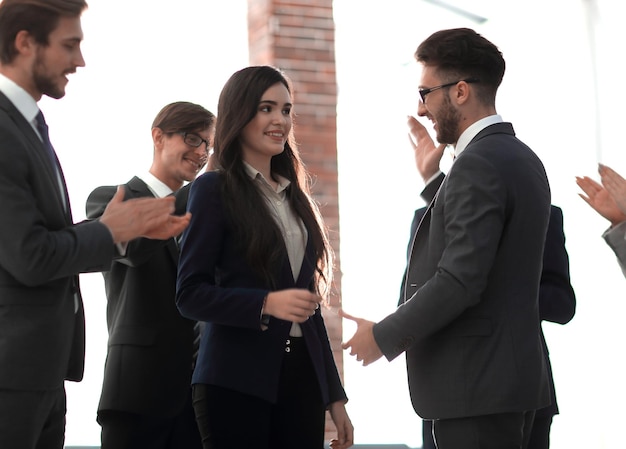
(238, 104)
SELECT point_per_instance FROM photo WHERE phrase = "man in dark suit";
(469, 319)
(146, 394)
(557, 301)
(41, 249)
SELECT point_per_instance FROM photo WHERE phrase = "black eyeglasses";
(424, 92)
(194, 140)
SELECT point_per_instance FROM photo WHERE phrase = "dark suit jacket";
(557, 300)
(41, 253)
(216, 285)
(469, 319)
(148, 365)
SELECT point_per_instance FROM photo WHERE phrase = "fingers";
(141, 217)
(412, 142)
(587, 200)
(588, 185)
(605, 170)
(174, 226)
(296, 305)
(344, 314)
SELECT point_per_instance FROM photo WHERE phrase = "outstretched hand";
(427, 154)
(362, 344)
(600, 200)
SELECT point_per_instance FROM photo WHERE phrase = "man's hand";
(142, 217)
(599, 199)
(427, 155)
(362, 343)
(294, 304)
(615, 185)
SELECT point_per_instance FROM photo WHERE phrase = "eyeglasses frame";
(424, 92)
(186, 133)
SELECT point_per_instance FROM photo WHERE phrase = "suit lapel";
(34, 147)
(136, 188)
(420, 234)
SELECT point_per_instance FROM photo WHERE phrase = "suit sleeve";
(557, 301)
(38, 244)
(615, 237)
(201, 292)
(336, 391)
(430, 190)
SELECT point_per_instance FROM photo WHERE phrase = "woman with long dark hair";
(255, 265)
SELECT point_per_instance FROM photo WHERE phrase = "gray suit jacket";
(41, 254)
(615, 237)
(469, 319)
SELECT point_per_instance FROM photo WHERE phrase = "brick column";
(298, 36)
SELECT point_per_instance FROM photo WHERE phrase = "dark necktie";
(42, 127)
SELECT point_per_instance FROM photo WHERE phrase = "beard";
(44, 82)
(448, 120)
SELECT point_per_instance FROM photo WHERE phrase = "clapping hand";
(600, 200)
(615, 185)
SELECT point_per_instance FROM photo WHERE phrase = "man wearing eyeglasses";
(557, 300)
(146, 392)
(468, 318)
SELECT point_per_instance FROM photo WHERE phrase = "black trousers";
(499, 431)
(124, 430)
(540, 435)
(32, 419)
(229, 419)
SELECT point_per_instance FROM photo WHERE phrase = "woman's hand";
(296, 305)
(345, 430)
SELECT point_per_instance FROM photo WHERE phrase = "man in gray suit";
(468, 320)
(41, 250)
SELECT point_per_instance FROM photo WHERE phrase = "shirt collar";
(21, 99)
(473, 130)
(283, 183)
(158, 188)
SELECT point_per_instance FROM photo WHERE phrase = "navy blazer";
(150, 348)
(216, 285)
(469, 319)
(557, 300)
(42, 335)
